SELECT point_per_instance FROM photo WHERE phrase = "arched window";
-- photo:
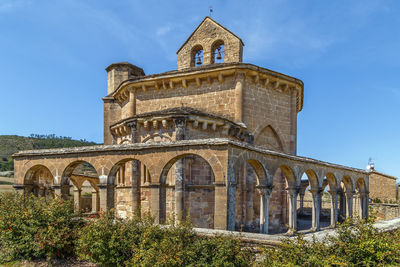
(197, 56)
(218, 52)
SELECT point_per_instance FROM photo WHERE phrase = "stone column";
(180, 172)
(129, 109)
(57, 190)
(155, 202)
(292, 193)
(301, 194)
(95, 201)
(240, 77)
(363, 205)
(334, 208)
(316, 208)
(231, 206)
(135, 166)
(220, 207)
(349, 204)
(265, 194)
(19, 188)
(78, 199)
(103, 197)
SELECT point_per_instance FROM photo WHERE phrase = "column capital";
(264, 190)
(102, 186)
(349, 194)
(364, 194)
(293, 190)
(180, 122)
(333, 192)
(314, 192)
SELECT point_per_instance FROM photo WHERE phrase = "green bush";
(33, 228)
(356, 244)
(139, 242)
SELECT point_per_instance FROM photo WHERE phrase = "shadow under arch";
(39, 181)
(83, 177)
(186, 181)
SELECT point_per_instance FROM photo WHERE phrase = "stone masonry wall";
(206, 35)
(216, 98)
(382, 186)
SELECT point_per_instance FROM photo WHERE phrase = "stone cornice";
(177, 144)
(383, 174)
(208, 73)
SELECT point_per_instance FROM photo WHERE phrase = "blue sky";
(53, 55)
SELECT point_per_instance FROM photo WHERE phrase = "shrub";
(32, 228)
(357, 244)
(139, 242)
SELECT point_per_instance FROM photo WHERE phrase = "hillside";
(10, 144)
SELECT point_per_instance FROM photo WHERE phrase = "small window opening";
(219, 54)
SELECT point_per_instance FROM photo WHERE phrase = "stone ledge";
(180, 144)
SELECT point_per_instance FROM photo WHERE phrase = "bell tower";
(210, 43)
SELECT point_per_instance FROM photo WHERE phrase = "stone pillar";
(57, 190)
(240, 77)
(334, 208)
(135, 185)
(364, 201)
(77, 199)
(301, 194)
(180, 123)
(103, 197)
(292, 194)
(179, 190)
(316, 208)
(265, 194)
(95, 201)
(220, 207)
(155, 202)
(19, 188)
(231, 206)
(129, 109)
(349, 204)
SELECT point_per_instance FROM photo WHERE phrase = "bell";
(198, 62)
(219, 53)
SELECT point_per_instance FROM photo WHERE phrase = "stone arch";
(258, 164)
(68, 170)
(290, 176)
(125, 180)
(332, 180)
(196, 53)
(347, 183)
(214, 46)
(39, 180)
(191, 182)
(312, 179)
(361, 185)
(165, 165)
(268, 137)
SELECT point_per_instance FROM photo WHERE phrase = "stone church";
(213, 142)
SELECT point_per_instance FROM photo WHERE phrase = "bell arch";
(197, 56)
(217, 51)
